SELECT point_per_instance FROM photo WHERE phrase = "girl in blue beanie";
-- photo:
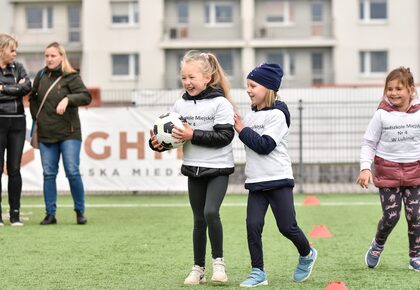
(269, 172)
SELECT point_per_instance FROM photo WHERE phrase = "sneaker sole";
(413, 269)
(219, 281)
(202, 281)
(310, 272)
(263, 283)
(17, 224)
(366, 262)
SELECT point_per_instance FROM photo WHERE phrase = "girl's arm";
(221, 136)
(367, 153)
(260, 144)
(368, 150)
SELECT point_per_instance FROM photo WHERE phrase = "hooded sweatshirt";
(268, 164)
(392, 140)
(211, 116)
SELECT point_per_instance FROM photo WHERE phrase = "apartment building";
(137, 44)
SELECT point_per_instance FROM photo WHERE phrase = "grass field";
(144, 242)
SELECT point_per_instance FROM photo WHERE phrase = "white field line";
(226, 204)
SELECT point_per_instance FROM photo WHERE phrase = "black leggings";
(206, 196)
(12, 140)
(391, 201)
(281, 202)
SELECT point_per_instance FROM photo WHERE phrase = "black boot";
(49, 220)
(1, 218)
(15, 218)
(81, 219)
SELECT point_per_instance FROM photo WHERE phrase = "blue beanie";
(267, 74)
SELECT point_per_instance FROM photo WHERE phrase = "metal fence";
(327, 126)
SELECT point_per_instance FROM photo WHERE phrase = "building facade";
(137, 44)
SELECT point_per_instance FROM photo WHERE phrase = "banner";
(115, 154)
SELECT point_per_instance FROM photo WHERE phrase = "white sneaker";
(16, 224)
(219, 273)
(196, 276)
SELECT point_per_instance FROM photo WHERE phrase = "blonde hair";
(403, 75)
(209, 65)
(65, 64)
(6, 40)
(270, 98)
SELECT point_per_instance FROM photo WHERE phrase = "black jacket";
(53, 127)
(11, 97)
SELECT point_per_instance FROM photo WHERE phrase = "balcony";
(178, 35)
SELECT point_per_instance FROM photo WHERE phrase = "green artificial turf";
(145, 242)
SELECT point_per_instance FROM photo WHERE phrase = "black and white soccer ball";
(163, 129)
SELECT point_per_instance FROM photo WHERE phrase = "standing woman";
(59, 130)
(14, 84)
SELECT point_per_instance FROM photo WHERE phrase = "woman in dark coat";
(59, 130)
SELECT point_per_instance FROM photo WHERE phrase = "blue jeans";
(50, 156)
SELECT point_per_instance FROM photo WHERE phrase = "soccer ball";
(163, 129)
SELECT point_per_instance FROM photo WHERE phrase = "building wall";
(339, 37)
(399, 35)
(102, 39)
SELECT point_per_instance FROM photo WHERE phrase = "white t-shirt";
(396, 135)
(203, 114)
(276, 165)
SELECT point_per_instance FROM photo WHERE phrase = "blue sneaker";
(373, 255)
(255, 279)
(414, 264)
(305, 266)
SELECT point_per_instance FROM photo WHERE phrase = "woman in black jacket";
(14, 84)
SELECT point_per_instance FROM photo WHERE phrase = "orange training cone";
(311, 200)
(320, 232)
(336, 286)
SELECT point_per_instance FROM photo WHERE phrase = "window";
(125, 65)
(373, 10)
(373, 62)
(125, 13)
(218, 13)
(317, 12)
(285, 59)
(317, 66)
(39, 18)
(74, 23)
(279, 12)
(225, 59)
(182, 11)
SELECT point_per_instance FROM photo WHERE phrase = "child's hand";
(154, 141)
(183, 134)
(365, 177)
(239, 125)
